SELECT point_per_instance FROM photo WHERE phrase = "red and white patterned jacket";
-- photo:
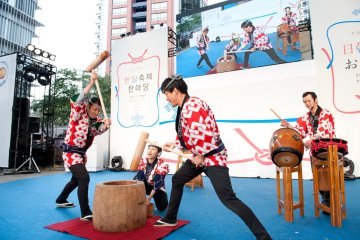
(78, 129)
(161, 168)
(200, 131)
(202, 41)
(259, 40)
(326, 127)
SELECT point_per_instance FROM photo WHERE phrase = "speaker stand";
(30, 159)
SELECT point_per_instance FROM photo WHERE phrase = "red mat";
(83, 229)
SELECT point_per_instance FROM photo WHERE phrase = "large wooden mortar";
(119, 206)
(226, 66)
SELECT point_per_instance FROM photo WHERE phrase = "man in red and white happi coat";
(259, 41)
(84, 125)
(152, 170)
(202, 41)
(315, 124)
(290, 19)
(198, 132)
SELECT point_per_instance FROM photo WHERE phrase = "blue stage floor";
(28, 205)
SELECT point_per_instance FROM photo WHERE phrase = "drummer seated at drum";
(290, 19)
(152, 171)
(316, 123)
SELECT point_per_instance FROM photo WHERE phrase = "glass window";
(158, 16)
(118, 31)
(118, 21)
(118, 11)
(158, 6)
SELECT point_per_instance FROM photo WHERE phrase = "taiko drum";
(286, 147)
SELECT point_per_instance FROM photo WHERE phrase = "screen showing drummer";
(317, 123)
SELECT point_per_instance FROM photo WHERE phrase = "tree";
(67, 84)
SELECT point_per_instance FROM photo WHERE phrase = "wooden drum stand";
(288, 203)
(329, 176)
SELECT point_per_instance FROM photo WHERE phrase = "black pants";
(160, 196)
(80, 179)
(270, 52)
(206, 58)
(220, 179)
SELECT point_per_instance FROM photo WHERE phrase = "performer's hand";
(107, 122)
(167, 147)
(308, 144)
(285, 123)
(94, 76)
(253, 49)
(148, 200)
(198, 160)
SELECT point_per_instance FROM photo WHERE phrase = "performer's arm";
(86, 90)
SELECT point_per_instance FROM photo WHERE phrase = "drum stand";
(288, 203)
(329, 176)
(197, 181)
(30, 158)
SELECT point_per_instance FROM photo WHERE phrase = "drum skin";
(286, 147)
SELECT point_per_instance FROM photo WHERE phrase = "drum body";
(283, 30)
(319, 147)
(286, 147)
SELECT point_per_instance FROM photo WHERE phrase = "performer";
(198, 132)
(203, 44)
(317, 123)
(259, 41)
(231, 47)
(290, 19)
(152, 171)
(84, 125)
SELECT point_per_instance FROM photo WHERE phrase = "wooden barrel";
(150, 210)
(226, 66)
(119, 206)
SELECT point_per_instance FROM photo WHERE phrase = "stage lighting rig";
(39, 52)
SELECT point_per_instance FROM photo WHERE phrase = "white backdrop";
(241, 100)
(7, 85)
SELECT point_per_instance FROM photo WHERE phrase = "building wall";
(17, 18)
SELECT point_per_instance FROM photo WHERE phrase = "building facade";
(17, 18)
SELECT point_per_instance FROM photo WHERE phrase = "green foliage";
(67, 84)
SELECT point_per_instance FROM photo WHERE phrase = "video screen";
(241, 35)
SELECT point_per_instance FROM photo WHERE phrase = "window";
(158, 16)
(118, 21)
(119, 2)
(118, 11)
(118, 31)
(158, 6)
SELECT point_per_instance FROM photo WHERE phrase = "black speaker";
(34, 124)
(20, 136)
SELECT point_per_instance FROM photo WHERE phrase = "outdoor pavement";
(7, 175)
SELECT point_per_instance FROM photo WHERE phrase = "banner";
(7, 85)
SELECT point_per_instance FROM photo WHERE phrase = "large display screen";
(240, 35)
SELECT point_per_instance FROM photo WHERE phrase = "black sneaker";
(87, 218)
(199, 65)
(165, 223)
(65, 205)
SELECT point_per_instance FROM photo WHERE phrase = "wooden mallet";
(94, 64)
(139, 151)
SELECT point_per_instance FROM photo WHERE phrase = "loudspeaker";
(20, 130)
(34, 124)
